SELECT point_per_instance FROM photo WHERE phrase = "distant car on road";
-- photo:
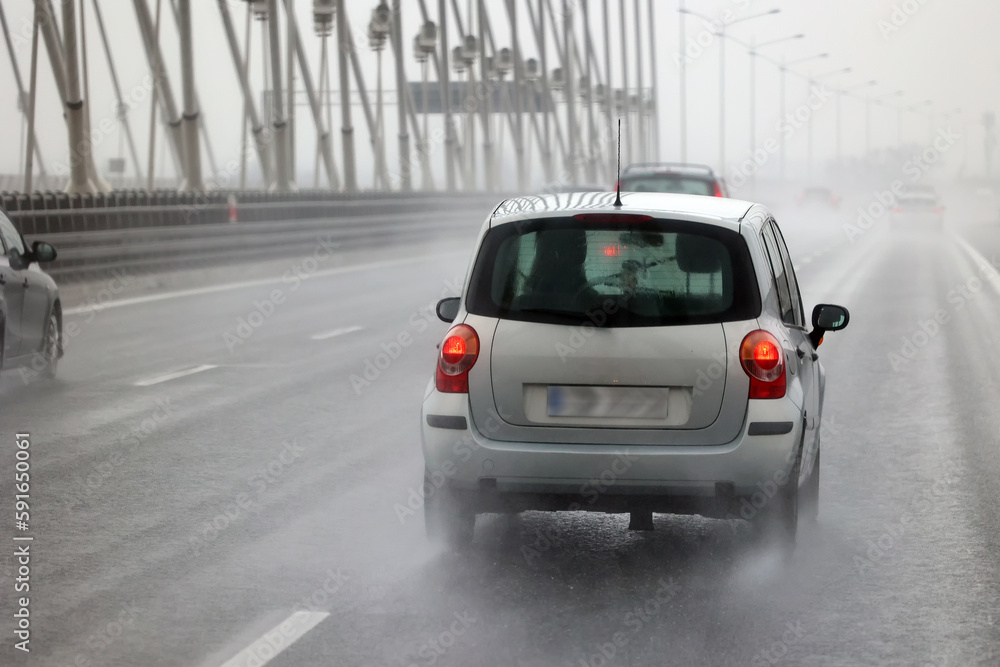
(652, 357)
(30, 310)
(918, 210)
(676, 178)
(819, 196)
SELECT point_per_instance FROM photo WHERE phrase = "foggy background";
(931, 50)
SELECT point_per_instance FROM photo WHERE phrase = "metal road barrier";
(95, 234)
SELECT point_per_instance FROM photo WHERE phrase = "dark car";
(674, 178)
(30, 311)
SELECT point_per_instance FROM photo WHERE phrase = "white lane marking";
(173, 376)
(335, 333)
(277, 639)
(985, 266)
(198, 291)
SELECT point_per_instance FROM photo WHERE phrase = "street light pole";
(754, 50)
(654, 112)
(839, 95)
(868, 119)
(783, 68)
(721, 34)
(682, 64)
(809, 130)
(722, 101)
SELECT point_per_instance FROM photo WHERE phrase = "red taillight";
(459, 352)
(718, 189)
(766, 355)
(897, 209)
(618, 184)
(938, 210)
(762, 360)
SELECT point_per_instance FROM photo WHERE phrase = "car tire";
(445, 520)
(778, 520)
(810, 493)
(50, 347)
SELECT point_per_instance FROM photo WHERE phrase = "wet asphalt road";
(179, 521)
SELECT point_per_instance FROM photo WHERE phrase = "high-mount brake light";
(763, 360)
(718, 189)
(604, 218)
(459, 352)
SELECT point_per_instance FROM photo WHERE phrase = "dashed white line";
(173, 376)
(336, 332)
(277, 639)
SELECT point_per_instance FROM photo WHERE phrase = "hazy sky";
(934, 50)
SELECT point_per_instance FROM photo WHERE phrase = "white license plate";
(610, 402)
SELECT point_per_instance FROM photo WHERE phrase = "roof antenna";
(618, 185)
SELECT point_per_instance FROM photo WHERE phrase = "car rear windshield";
(655, 273)
(672, 183)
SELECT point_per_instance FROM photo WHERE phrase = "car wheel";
(446, 521)
(50, 348)
(778, 521)
(810, 493)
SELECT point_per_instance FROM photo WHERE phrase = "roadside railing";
(95, 234)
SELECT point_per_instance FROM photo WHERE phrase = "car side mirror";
(827, 317)
(42, 252)
(447, 309)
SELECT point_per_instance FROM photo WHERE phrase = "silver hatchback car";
(648, 357)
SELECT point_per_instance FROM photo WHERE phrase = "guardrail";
(154, 231)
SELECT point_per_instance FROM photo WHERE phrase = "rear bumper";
(498, 475)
